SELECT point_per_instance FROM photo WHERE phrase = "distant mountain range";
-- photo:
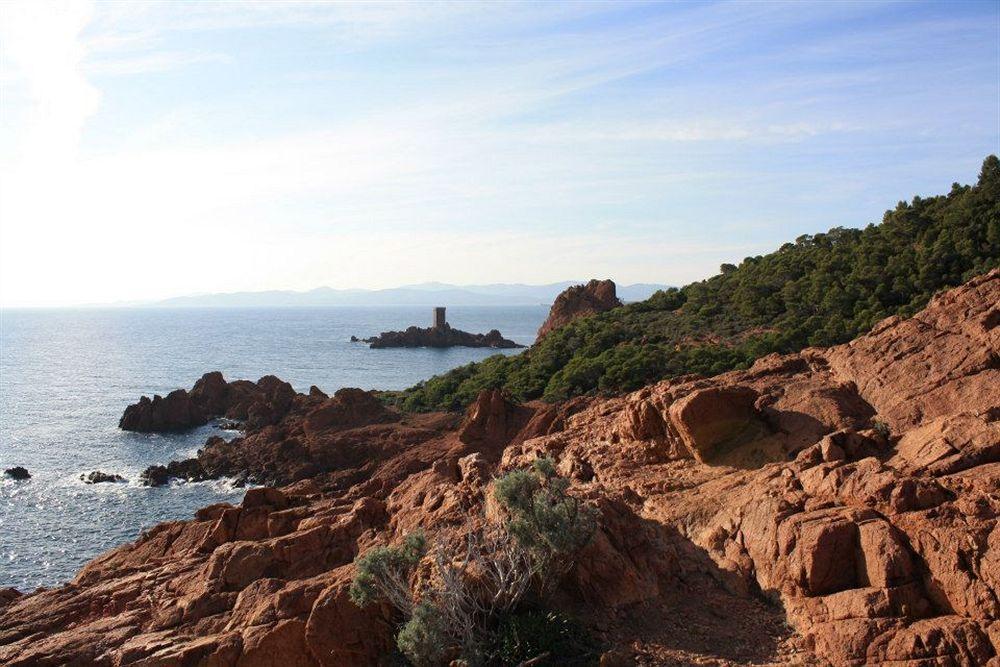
(423, 294)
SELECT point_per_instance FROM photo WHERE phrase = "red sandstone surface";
(578, 301)
(836, 506)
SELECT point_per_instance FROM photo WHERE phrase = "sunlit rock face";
(578, 301)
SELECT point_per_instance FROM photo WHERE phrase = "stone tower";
(439, 320)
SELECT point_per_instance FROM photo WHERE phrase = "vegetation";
(385, 572)
(548, 523)
(424, 638)
(823, 289)
(533, 633)
(469, 605)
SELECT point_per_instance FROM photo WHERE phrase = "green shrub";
(551, 524)
(424, 639)
(386, 571)
(482, 577)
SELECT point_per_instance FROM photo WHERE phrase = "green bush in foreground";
(424, 638)
(822, 289)
(549, 523)
(481, 577)
(385, 571)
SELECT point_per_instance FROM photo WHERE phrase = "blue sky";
(153, 149)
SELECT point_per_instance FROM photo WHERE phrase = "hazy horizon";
(156, 149)
(496, 294)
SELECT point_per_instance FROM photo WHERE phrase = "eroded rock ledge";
(852, 492)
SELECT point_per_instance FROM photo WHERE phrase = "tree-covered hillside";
(820, 290)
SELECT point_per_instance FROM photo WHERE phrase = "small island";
(439, 335)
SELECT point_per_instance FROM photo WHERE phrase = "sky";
(156, 149)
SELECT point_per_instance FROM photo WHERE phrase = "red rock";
(493, 420)
(578, 301)
(714, 420)
(362, 636)
(212, 393)
(347, 408)
(8, 595)
(174, 413)
(265, 497)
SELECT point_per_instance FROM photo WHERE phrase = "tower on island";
(439, 320)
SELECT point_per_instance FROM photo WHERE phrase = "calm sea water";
(66, 376)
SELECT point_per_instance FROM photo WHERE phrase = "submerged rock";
(98, 477)
(17, 472)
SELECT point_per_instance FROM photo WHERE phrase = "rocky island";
(439, 335)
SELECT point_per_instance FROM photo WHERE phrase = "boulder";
(715, 420)
(492, 418)
(211, 393)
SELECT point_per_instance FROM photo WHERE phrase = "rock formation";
(17, 472)
(316, 434)
(578, 301)
(257, 404)
(98, 477)
(444, 336)
(835, 506)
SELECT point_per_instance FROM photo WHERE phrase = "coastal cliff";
(832, 506)
(579, 301)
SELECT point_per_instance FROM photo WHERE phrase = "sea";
(66, 375)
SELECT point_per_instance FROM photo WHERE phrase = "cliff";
(833, 506)
(578, 301)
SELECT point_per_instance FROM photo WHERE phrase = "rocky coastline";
(833, 506)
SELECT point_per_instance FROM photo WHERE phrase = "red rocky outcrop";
(851, 493)
(174, 412)
(577, 301)
(259, 404)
